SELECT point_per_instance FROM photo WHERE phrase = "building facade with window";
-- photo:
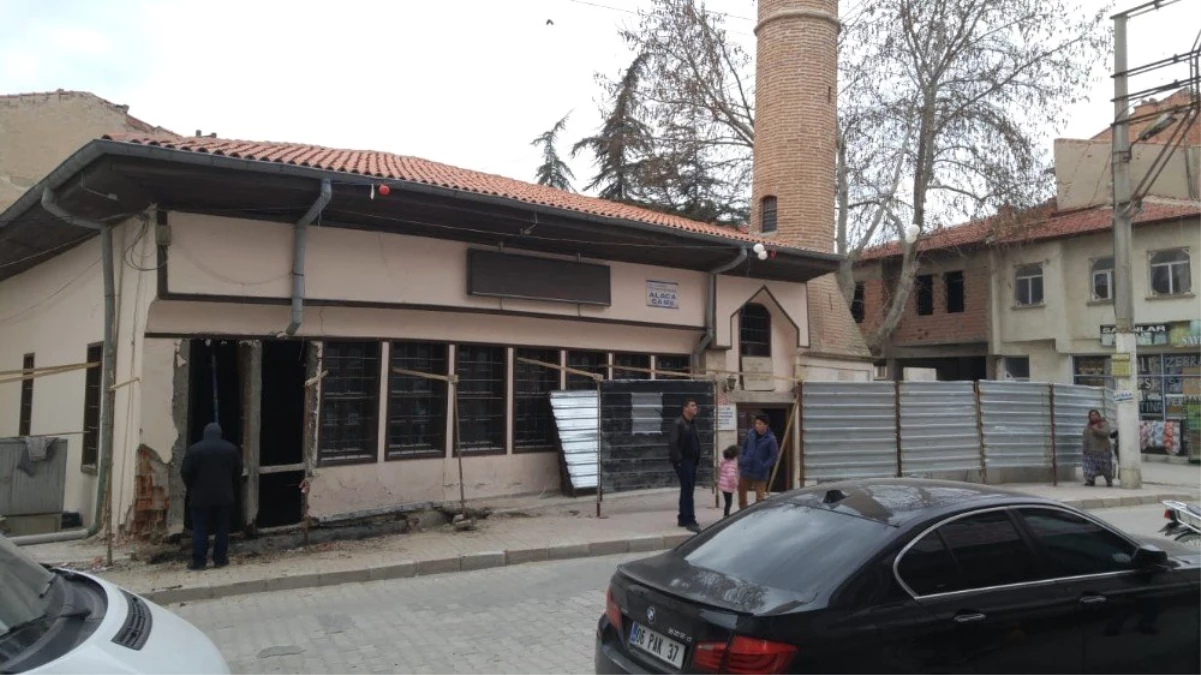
(430, 311)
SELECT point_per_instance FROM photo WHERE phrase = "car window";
(989, 551)
(1078, 546)
(787, 546)
(927, 567)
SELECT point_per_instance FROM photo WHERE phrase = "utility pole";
(1124, 363)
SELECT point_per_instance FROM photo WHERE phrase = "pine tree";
(553, 172)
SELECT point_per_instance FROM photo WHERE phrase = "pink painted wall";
(228, 256)
(347, 489)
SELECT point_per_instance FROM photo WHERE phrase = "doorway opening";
(215, 395)
(777, 416)
(281, 434)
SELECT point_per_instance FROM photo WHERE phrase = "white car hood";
(174, 645)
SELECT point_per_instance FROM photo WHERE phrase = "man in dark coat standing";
(684, 450)
(212, 472)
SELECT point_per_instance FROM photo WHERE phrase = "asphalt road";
(535, 618)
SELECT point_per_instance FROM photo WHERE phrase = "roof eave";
(94, 150)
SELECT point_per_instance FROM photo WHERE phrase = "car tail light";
(743, 655)
(613, 611)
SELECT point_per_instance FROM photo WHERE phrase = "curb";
(1119, 501)
(407, 569)
(491, 559)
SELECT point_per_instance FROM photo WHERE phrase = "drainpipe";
(300, 241)
(104, 463)
(698, 353)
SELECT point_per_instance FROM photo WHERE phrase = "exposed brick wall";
(796, 109)
(149, 519)
(796, 80)
(971, 325)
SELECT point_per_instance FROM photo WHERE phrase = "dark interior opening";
(281, 435)
(215, 395)
(279, 498)
(777, 420)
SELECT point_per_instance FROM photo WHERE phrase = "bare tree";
(966, 93)
(553, 171)
(943, 108)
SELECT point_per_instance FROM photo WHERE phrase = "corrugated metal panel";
(575, 418)
(1017, 423)
(636, 417)
(938, 428)
(1072, 403)
(41, 493)
(849, 430)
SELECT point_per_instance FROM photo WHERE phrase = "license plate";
(657, 645)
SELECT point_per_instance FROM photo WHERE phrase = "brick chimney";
(796, 84)
(796, 117)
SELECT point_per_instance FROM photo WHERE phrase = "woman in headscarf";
(1098, 450)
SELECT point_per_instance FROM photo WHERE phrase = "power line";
(636, 12)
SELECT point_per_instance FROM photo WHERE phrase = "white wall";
(55, 311)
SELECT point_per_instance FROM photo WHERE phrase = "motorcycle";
(1184, 522)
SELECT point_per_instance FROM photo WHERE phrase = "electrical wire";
(14, 317)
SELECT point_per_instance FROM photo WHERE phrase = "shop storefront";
(1169, 380)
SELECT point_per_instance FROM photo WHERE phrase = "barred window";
(641, 363)
(672, 363)
(26, 421)
(533, 419)
(481, 398)
(755, 330)
(91, 407)
(417, 405)
(350, 403)
(589, 362)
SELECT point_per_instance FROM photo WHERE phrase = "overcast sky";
(465, 82)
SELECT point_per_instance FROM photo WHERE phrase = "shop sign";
(1185, 334)
(1177, 334)
(1145, 334)
(664, 294)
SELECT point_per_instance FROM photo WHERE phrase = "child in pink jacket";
(727, 480)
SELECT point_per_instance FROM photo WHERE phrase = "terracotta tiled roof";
(1036, 225)
(1150, 107)
(133, 122)
(385, 166)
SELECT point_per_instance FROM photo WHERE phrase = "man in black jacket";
(684, 450)
(212, 472)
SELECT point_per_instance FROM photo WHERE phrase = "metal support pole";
(800, 413)
(1126, 346)
(980, 432)
(1054, 447)
(897, 419)
(453, 381)
(600, 493)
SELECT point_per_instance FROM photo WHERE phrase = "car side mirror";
(1149, 557)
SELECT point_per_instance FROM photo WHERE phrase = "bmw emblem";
(650, 614)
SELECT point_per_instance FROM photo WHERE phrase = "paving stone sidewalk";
(520, 531)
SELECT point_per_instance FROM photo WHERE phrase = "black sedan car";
(898, 575)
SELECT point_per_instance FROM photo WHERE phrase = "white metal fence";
(987, 431)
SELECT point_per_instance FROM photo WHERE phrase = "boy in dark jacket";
(759, 454)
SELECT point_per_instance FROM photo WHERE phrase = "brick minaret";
(796, 84)
(796, 80)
